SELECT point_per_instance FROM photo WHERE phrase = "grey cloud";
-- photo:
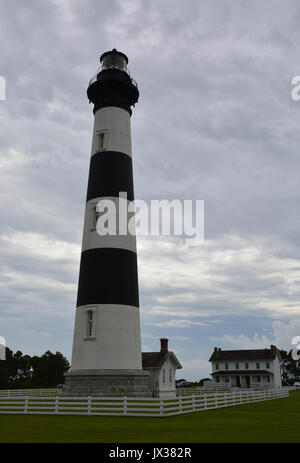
(215, 121)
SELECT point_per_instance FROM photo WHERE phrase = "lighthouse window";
(164, 375)
(102, 140)
(170, 376)
(89, 323)
(95, 217)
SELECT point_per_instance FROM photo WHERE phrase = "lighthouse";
(106, 356)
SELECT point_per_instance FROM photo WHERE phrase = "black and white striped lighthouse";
(106, 357)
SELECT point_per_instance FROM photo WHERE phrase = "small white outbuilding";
(162, 367)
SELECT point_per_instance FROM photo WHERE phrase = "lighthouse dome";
(114, 60)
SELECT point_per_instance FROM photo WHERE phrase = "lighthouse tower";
(106, 357)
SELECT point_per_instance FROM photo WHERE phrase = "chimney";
(216, 351)
(164, 345)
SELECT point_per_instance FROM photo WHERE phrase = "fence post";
(56, 405)
(89, 405)
(161, 407)
(193, 397)
(225, 399)
(26, 405)
(205, 400)
(180, 404)
(125, 405)
(8, 393)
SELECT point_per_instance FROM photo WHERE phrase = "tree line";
(20, 371)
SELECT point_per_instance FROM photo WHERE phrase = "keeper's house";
(246, 368)
(162, 367)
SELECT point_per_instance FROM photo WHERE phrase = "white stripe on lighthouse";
(114, 123)
(117, 340)
(91, 238)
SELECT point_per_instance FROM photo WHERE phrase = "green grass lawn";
(271, 421)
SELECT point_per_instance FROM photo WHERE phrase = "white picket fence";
(28, 392)
(132, 406)
(201, 390)
(291, 388)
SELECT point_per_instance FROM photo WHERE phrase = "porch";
(246, 379)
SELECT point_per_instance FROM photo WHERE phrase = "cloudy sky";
(215, 121)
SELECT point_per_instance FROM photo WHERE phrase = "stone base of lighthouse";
(107, 383)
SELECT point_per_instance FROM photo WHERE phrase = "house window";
(102, 140)
(227, 379)
(217, 379)
(226, 366)
(246, 366)
(217, 366)
(90, 317)
(170, 376)
(258, 379)
(268, 379)
(268, 365)
(164, 375)
(237, 366)
(257, 366)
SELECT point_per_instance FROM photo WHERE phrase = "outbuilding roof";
(157, 359)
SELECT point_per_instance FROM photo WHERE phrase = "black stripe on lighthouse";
(108, 276)
(110, 173)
